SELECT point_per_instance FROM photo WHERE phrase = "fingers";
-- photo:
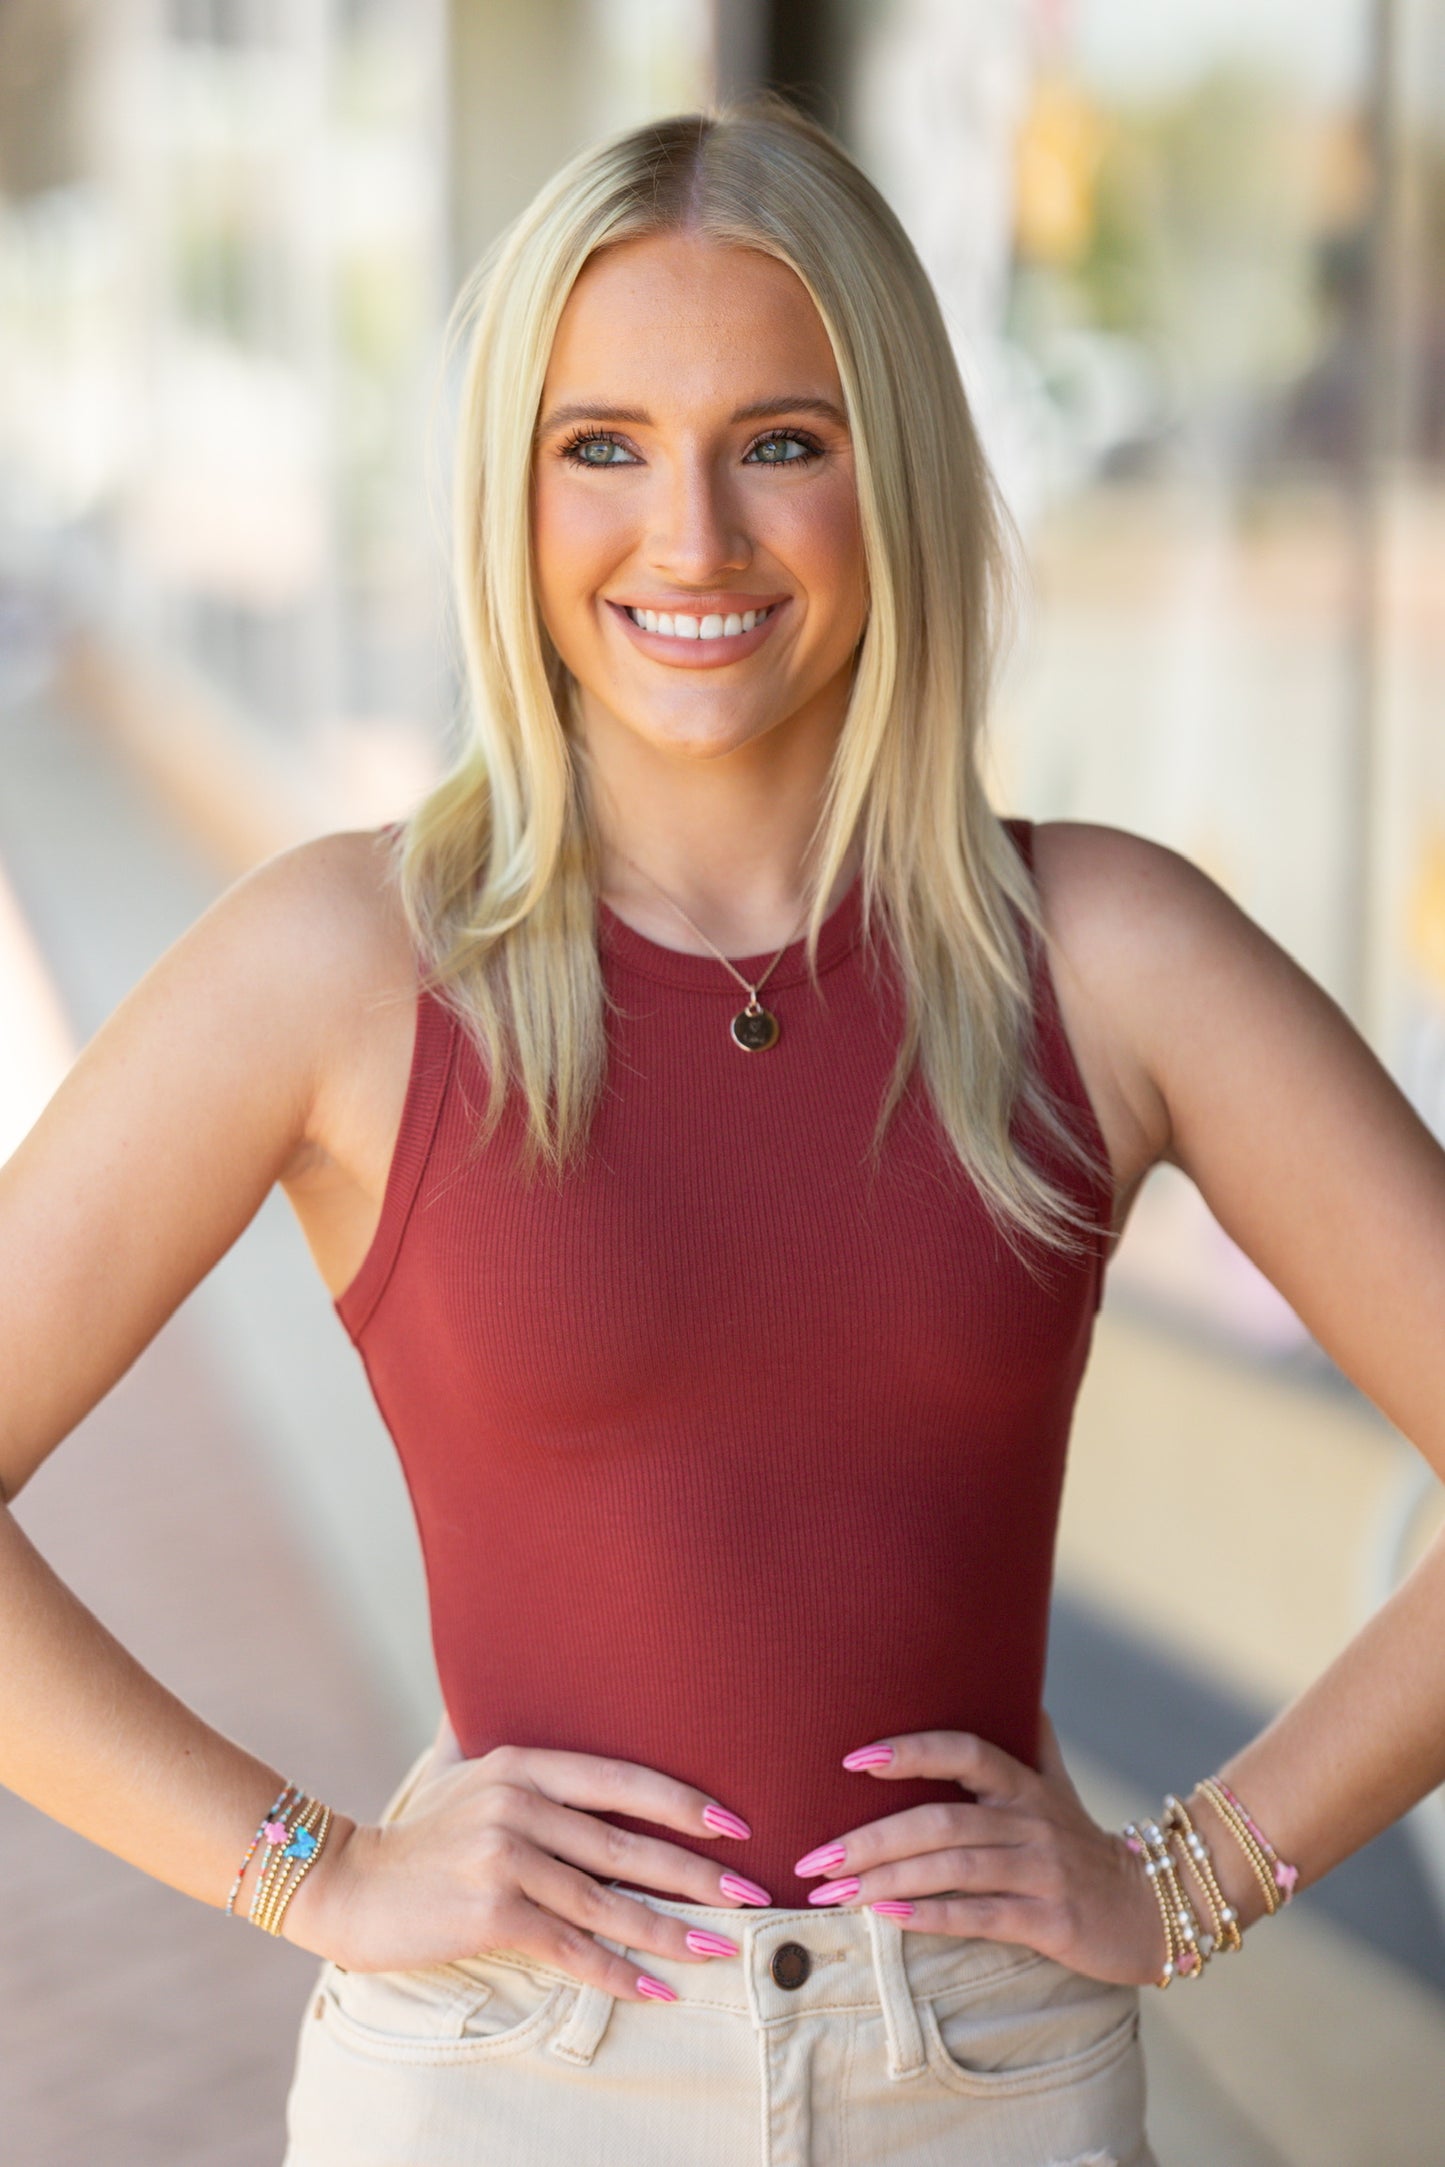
(615, 1853)
(985, 1870)
(936, 1827)
(562, 1910)
(985, 1918)
(600, 1784)
(954, 1756)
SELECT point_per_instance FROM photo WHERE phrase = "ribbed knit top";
(730, 1452)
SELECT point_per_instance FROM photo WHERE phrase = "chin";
(699, 736)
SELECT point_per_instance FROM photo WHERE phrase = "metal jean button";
(791, 1964)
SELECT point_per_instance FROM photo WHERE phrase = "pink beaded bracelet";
(1285, 1878)
(287, 1797)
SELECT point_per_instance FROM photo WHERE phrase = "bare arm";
(1324, 1175)
(1314, 1162)
(151, 1159)
(232, 1066)
(1205, 1045)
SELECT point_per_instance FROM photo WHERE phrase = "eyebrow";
(795, 403)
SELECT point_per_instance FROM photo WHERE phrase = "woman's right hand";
(503, 1852)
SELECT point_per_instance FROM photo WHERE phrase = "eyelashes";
(809, 449)
(571, 451)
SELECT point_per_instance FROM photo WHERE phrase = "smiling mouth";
(679, 625)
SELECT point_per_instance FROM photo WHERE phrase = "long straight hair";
(497, 865)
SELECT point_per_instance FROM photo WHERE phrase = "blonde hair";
(496, 866)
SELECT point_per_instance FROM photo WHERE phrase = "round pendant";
(755, 1029)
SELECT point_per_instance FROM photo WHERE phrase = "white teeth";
(681, 626)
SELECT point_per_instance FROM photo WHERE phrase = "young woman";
(722, 1222)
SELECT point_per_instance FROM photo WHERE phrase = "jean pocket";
(443, 2014)
(1038, 2029)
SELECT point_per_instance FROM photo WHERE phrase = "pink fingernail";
(743, 1891)
(868, 1757)
(823, 1860)
(724, 1823)
(654, 1989)
(704, 1943)
(835, 1892)
(894, 1910)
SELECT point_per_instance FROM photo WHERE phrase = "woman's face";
(693, 462)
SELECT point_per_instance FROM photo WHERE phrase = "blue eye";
(580, 448)
(793, 441)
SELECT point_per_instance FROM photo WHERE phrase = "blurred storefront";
(1194, 261)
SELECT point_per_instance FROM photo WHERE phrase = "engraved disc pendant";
(755, 1028)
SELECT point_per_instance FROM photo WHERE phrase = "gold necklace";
(754, 1028)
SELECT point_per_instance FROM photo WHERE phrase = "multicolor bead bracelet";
(293, 1832)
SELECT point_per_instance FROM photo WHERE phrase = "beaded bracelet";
(305, 1849)
(284, 1860)
(281, 1849)
(294, 1833)
(1183, 1956)
(1285, 1878)
(1224, 1933)
(284, 1797)
(1276, 1880)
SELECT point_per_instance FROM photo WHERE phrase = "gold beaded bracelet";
(294, 1837)
(1240, 1830)
(1277, 1879)
(1183, 1956)
(274, 1916)
(288, 1863)
(1224, 1933)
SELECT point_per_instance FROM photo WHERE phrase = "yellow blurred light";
(1427, 910)
(1057, 157)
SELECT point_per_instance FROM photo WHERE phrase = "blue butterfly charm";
(301, 1846)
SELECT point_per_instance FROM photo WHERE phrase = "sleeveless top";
(732, 1451)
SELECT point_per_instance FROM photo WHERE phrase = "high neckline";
(840, 932)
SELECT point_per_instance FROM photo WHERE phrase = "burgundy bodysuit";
(731, 1452)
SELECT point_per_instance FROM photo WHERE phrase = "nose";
(697, 532)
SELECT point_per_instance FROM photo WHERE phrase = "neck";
(729, 837)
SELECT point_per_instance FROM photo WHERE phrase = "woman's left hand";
(1024, 1863)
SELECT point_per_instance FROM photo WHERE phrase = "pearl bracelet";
(1184, 1955)
(1177, 1846)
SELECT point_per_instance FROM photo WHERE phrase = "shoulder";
(1128, 919)
(320, 924)
(291, 975)
(1144, 948)
(1099, 885)
(1175, 985)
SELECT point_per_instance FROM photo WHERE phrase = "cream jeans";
(892, 2049)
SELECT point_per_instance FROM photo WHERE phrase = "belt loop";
(581, 2035)
(900, 2019)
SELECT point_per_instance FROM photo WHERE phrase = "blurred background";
(1192, 260)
